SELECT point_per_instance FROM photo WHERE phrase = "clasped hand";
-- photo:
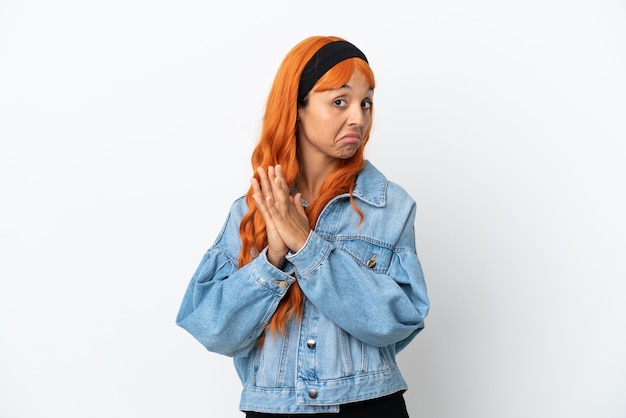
(286, 223)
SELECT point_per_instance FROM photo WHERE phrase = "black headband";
(324, 59)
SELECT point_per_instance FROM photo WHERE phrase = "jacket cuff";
(311, 255)
(271, 277)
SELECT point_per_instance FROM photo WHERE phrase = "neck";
(312, 176)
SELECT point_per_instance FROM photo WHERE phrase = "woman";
(314, 284)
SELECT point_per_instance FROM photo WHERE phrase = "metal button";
(371, 263)
(311, 343)
(281, 283)
(312, 394)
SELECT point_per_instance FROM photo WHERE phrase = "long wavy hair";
(277, 145)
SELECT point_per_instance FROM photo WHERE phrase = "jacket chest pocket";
(369, 255)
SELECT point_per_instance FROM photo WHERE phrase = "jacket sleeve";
(226, 308)
(379, 308)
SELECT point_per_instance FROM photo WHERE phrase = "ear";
(300, 113)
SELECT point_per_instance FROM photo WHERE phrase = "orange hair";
(277, 145)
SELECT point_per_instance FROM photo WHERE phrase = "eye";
(339, 102)
(366, 104)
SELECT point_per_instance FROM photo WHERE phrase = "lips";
(351, 139)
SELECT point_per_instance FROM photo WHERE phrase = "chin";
(347, 154)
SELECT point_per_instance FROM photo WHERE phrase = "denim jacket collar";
(371, 186)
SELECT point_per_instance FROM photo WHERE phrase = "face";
(332, 124)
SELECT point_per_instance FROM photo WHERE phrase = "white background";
(126, 129)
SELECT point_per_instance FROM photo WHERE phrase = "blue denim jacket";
(365, 300)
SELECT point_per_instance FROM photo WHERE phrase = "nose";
(356, 115)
